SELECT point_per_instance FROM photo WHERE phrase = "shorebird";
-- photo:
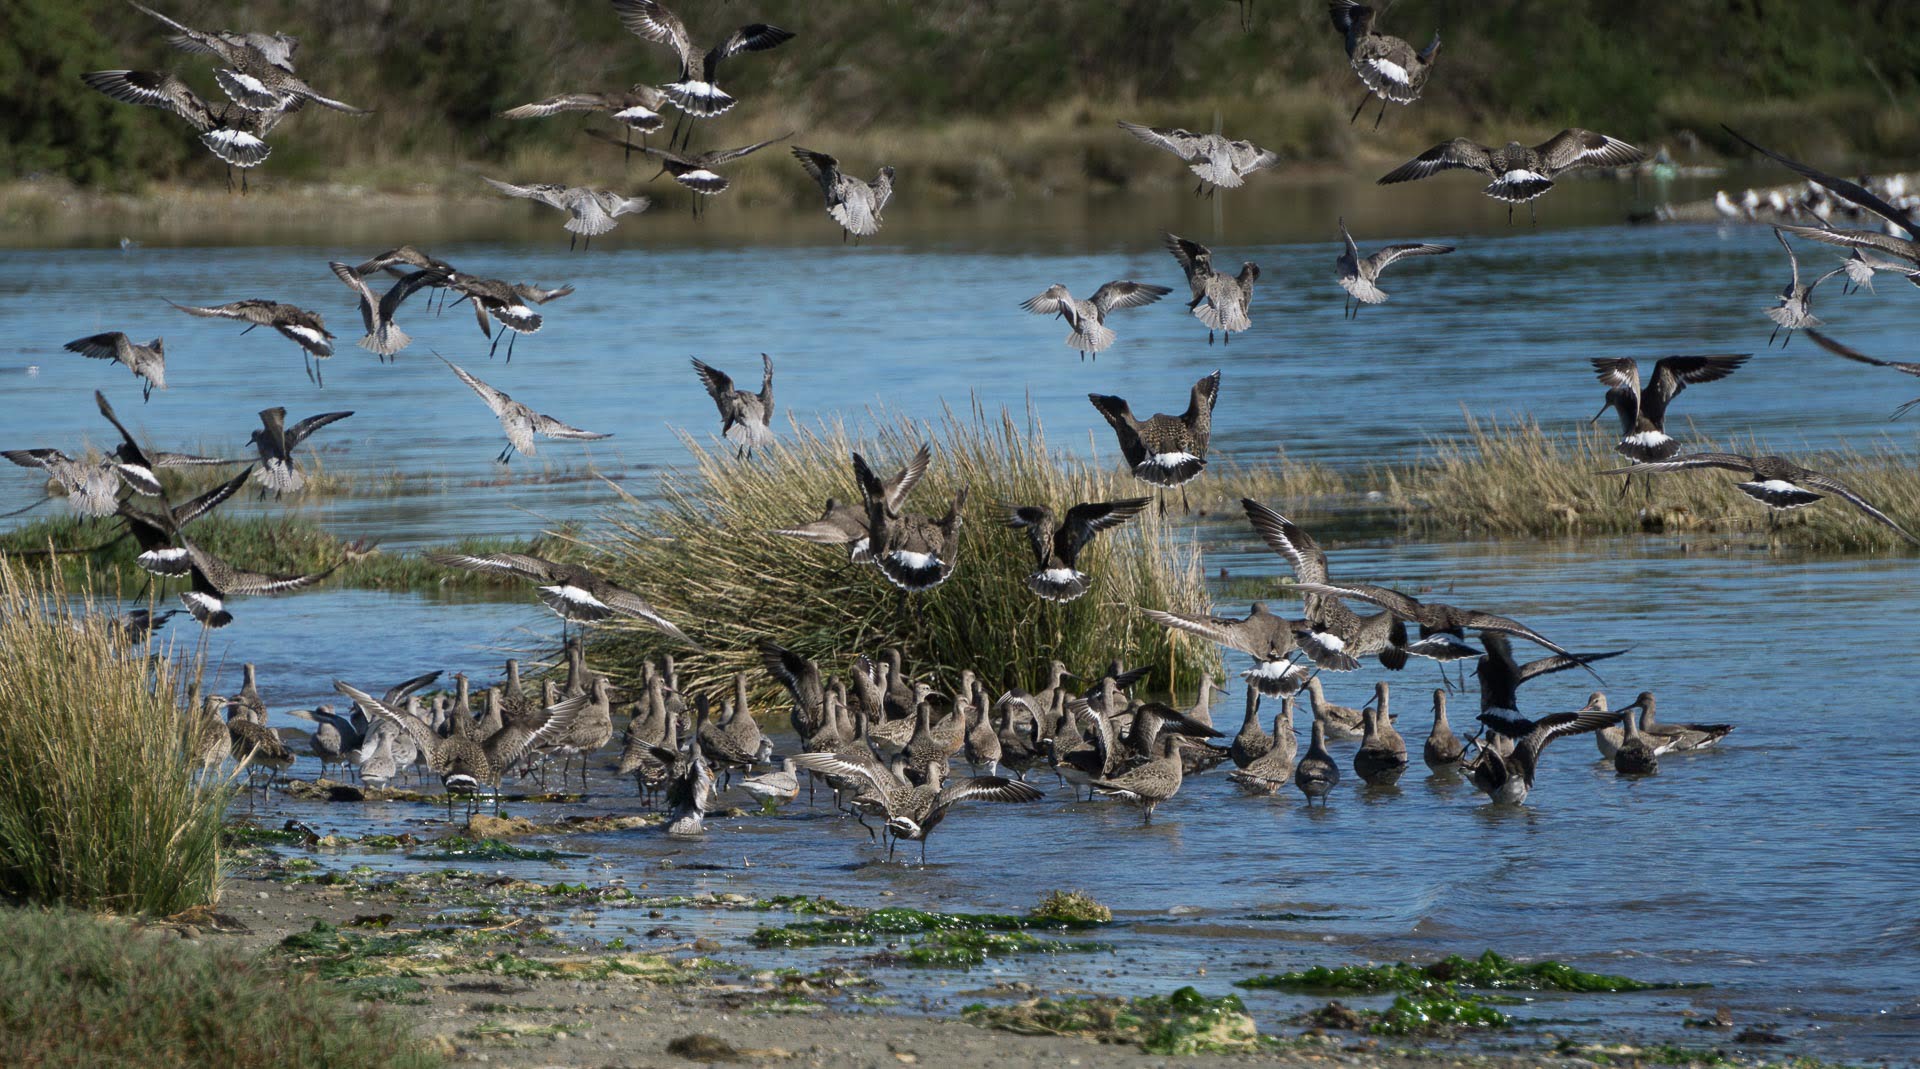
(1358, 273)
(775, 788)
(1219, 300)
(1272, 769)
(1057, 544)
(214, 580)
(1501, 676)
(383, 336)
(275, 443)
(1343, 721)
(1850, 353)
(695, 170)
(1334, 628)
(846, 525)
(695, 90)
(305, 329)
(1148, 785)
(571, 591)
(520, 422)
(257, 746)
(1446, 623)
(1443, 749)
(1520, 174)
(1643, 413)
(1317, 775)
(916, 553)
(589, 211)
(91, 487)
(1861, 267)
(1382, 756)
(854, 204)
(236, 137)
(1678, 737)
(1251, 740)
(1166, 451)
(258, 72)
(138, 467)
(139, 625)
(1388, 66)
(1221, 162)
(1775, 482)
(507, 304)
(1508, 778)
(912, 811)
(154, 534)
(1267, 638)
(1795, 310)
(1088, 318)
(637, 109)
(746, 419)
(148, 362)
(1638, 753)
(466, 763)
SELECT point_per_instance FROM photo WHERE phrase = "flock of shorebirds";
(881, 738)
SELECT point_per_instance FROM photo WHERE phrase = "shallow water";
(1778, 868)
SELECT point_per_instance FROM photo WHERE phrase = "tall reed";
(100, 807)
(705, 556)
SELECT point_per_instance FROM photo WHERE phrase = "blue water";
(1778, 869)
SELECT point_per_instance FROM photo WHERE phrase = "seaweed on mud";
(1184, 1022)
(347, 955)
(461, 848)
(1437, 1012)
(970, 947)
(862, 928)
(1070, 909)
(1489, 971)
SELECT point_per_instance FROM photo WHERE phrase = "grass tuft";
(100, 806)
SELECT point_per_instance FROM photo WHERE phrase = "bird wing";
(1486, 621)
(1828, 484)
(725, 155)
(1850, 353)
(650, 21)
(496, 400)
(1050, 302)
(304, 429)
(153, 89)
(822, 167)
(1560, 662)
(193, 508)
(1125, 294)
(986, 789)
(1389, 253)
(251, 311)
(510, 742)
(524, 565)
(831, 764)
(555, 105)
(369, 305)
(1224, 630)
(530, 292)
(422, 733)
(796, 673)
(106, 409)
(1038, 522)
(719, 384)
(401, 691)
(1089, 519)
(1400, 605)
(894, 491)
(553, 428)
(1686, 461)
(1583, 148)
(1458, 153)
(1182, 143)
(1284, 537)
(1550, 727)
(1195, 259)
(754, 37)
(1672, 374)
(1621, 376)
(1850, 191)
(545, 193)
(1857, 239)
(237, 581)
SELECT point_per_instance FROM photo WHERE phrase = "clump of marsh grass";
(704, 555)
(88, 991)
(100, 806)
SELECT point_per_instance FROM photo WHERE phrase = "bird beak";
(1597, 415)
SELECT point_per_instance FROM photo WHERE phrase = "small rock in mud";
(700, 1047)
(1338, 1016)
(1754, 1037)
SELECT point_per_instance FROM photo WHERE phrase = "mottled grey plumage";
(854, 204)
(746, 419)
(1358, 273)
(1520, 173)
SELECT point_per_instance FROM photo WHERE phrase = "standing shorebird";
(258, 67)
(572, 592)
(1382, 757)
(305, 329)
(1166, 451)
(1317, 775)
(1679, 738)
(1850, 353)
(1508, 779)
(1775, 482)
(520, 422)
(1643, 413)
(1795, 310)
(1088, 318)
(1358, 273)
(237, 137)
(1220, 161)
(589, 211)
(846, 525)
(148, 362)
(1443, 748)
(854, 204)
(916, 553)
(695, 91)
(1057, 544)
(1520, 174)
(695, 170)
(637, 109)
(1219, 300)
(1150, 784)
(1388, 66)
(746, 419)
(275, 443)
(1332, 627)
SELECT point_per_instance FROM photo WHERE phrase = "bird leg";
(307, 359)
(1382, 115)
(575, 240)
(1533, 213)
(1509, 213)
(510, 341)
(1771, 337)
(1364, 97)
(495, 346)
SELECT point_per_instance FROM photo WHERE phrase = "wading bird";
(1520, 174)
(1388, 66)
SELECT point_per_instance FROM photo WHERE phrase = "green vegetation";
(100, 806)
(1439, 1011)
(965, 949)
(706, 560)
(946, 940)
(968, 100)
(1185, 1022)
(459, 848)
(87, 991)
(1489, 971)
(344, 954)
(1069, 909)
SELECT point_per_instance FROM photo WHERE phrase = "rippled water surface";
(1778, 868)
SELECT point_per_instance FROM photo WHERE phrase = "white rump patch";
(1779, 486)
(1061, 575)
(1391, 71)
(202, 604)
(1274, 670)
(573, 595)
(1171, 461)
(704, 90)
(1647, 438)
(1329, 640)
(914, 561)
(308, 333)
(1523, 176)
(636, 115)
